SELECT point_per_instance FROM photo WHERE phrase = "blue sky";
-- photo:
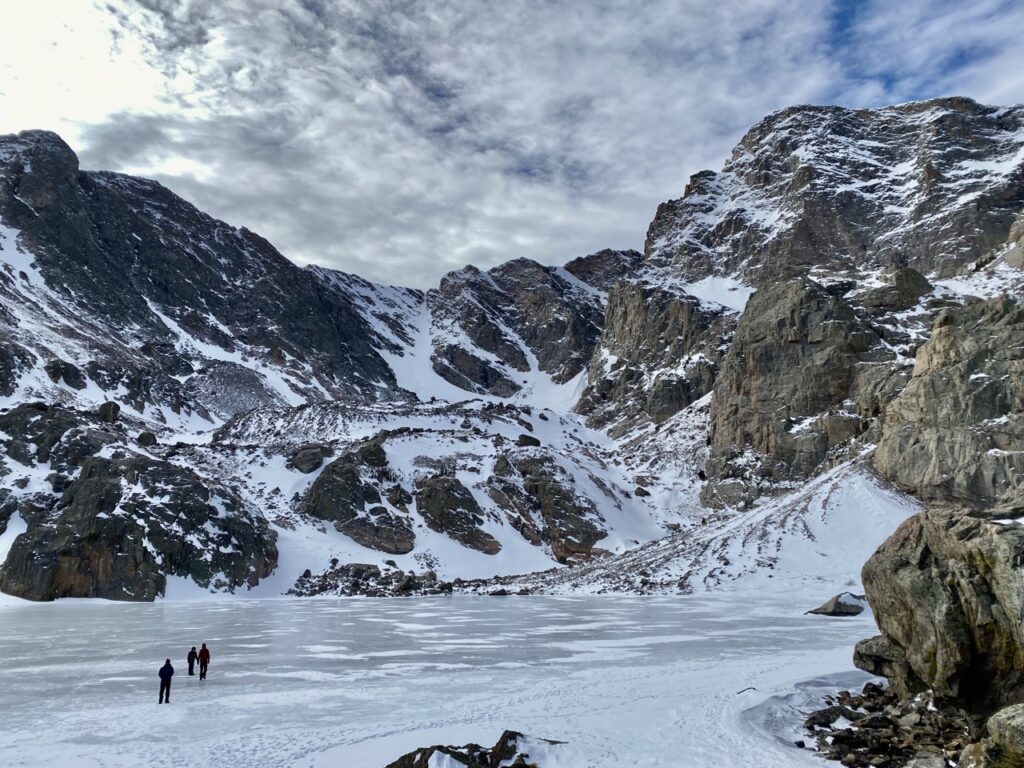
(402, 139)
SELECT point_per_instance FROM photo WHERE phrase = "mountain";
(181, 407)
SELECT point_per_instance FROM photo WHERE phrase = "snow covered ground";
(689, 681)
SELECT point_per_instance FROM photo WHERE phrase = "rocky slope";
(181, 404)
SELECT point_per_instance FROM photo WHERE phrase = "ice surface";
(695, 681)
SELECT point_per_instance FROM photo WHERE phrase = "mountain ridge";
(507, 420)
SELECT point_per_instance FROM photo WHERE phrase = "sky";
(401, 139)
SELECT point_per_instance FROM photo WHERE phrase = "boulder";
(1004, 746)
(309, 458)
(527, 441)
(63, 371)
(905, 287)
(146, 439)
(947, 591)
(843, 604)
(109, 412)
(512, 749)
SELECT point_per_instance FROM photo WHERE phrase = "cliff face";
(829, 290)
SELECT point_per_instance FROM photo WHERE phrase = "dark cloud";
(402, 139)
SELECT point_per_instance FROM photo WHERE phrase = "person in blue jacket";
(166, 673)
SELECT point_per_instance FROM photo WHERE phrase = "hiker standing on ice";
(204, 661)
(166, 673)
(192, 656)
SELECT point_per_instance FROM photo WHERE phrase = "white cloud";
(402, 139)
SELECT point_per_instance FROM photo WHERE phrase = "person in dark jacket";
(204, 661)
(192, 656)
(166, 673)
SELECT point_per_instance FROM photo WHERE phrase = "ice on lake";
(356, 683)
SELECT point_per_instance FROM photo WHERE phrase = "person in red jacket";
(204, 661)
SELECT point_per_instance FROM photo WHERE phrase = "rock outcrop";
(659, 352)
(801, 376)
(492, 327)
(829, 188)
(512, 750)
(108, 522)
(947, 591)
(956, 432)
(448, 507)
(347, 493)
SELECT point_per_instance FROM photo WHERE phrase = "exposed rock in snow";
(843, 604)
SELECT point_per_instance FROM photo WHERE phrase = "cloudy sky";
(401, 139)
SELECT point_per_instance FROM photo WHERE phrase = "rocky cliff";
(180, 400)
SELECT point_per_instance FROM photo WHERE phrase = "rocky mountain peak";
(932, 185)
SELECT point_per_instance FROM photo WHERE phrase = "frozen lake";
(356, 683)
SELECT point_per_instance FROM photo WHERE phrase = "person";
(192, 656)
(204, 661)
(166, 673)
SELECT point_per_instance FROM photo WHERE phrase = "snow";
(721, 289)
(714, 680)
(15, 527)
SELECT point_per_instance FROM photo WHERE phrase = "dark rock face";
(106, 540)
(793, 385)
(605, 268)
(956, 432)
(448, 507)
(947, 590)
(830, 188)
(116, 526)
(554, 312)
(659, 352)
(538, 500)
(309, 458)
(346, 494)
(124, 258)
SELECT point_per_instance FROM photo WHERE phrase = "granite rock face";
(150, 291)
(802, 372)
(932, 185)
(956, 432)
(348, 494)
(492, 327)
(659, 352)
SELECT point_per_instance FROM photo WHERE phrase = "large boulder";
(947, 591)
(843, 604)
(956, 432)
(513, 749)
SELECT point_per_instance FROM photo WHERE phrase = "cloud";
(403, 139)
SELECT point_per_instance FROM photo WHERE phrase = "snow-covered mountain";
(180, 404)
